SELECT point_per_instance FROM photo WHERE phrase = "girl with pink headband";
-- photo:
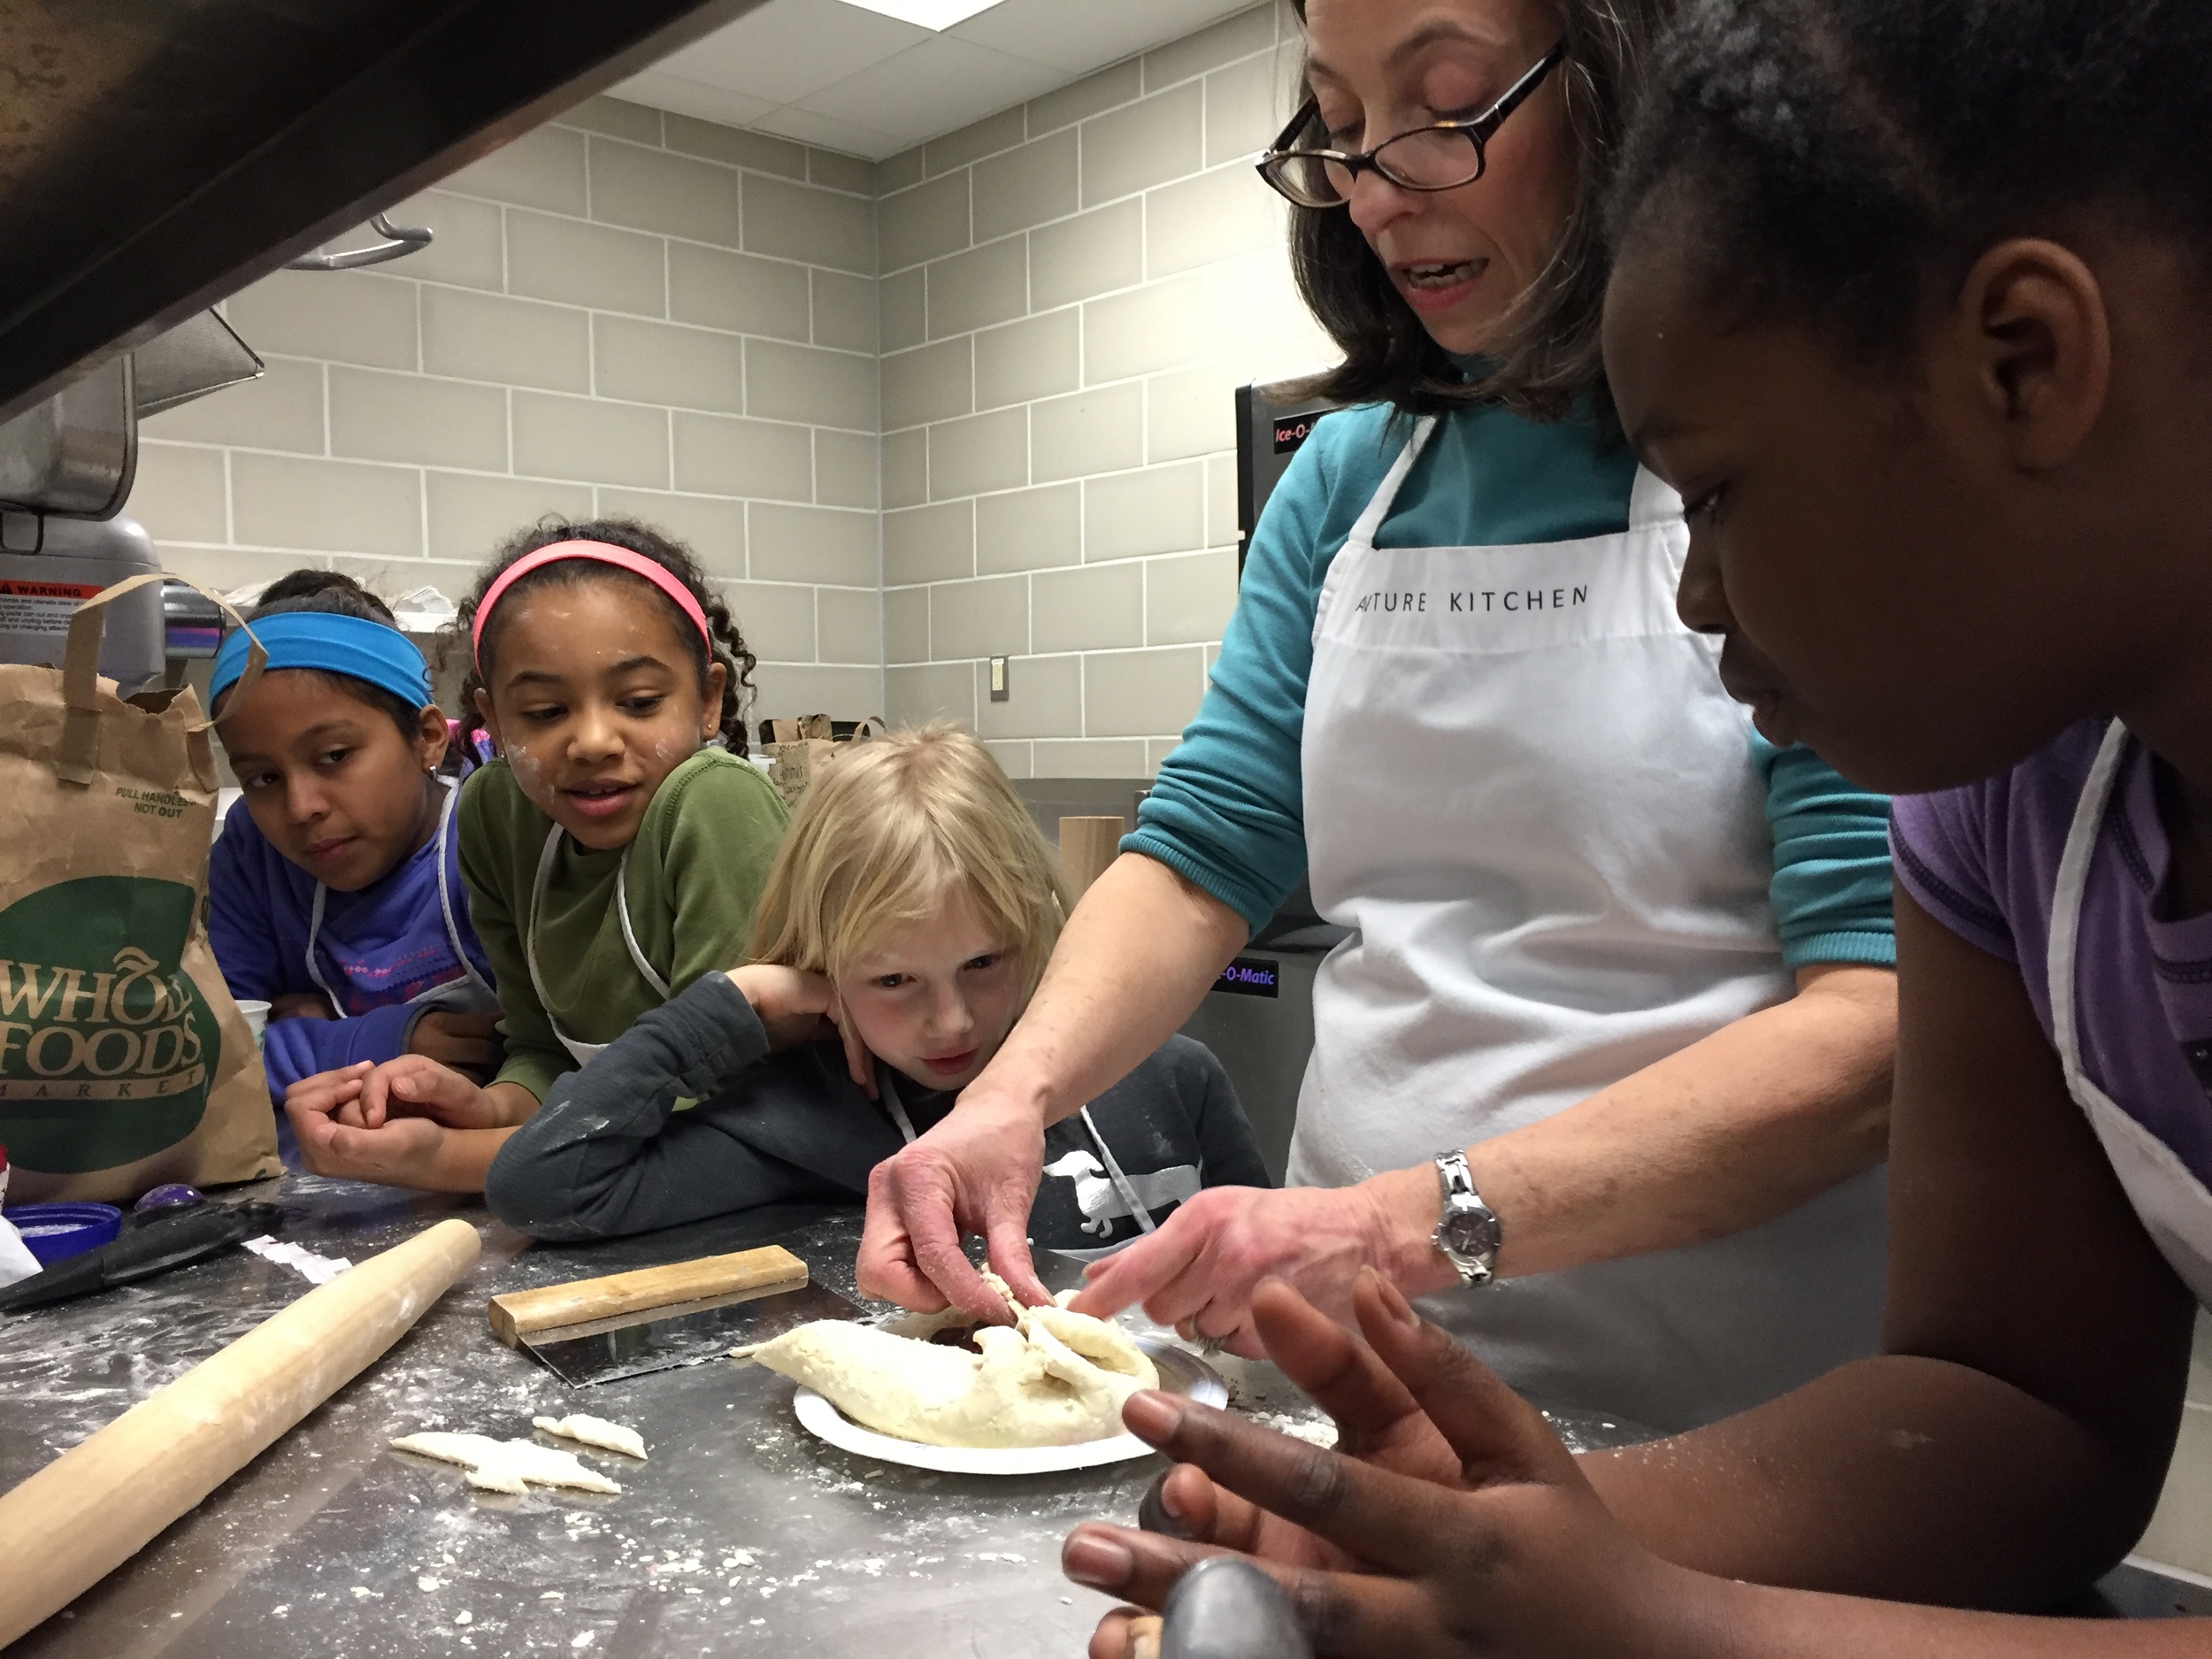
(614, 851)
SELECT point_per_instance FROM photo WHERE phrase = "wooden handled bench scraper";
(655, 1318)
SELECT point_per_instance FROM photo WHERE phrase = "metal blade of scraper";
(609, 1349)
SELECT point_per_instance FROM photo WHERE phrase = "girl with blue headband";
(336, 895)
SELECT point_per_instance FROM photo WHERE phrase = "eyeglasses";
(1442, 155)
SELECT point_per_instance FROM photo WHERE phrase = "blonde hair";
(892, 828)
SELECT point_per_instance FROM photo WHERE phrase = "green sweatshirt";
(696, 869)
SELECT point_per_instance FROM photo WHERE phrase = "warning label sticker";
(41, 607)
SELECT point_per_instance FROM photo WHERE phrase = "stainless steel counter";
(744, 1533)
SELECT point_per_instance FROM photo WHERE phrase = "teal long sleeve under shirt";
(1227, 811)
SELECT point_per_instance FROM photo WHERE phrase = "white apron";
(468, 994)
(2172, 1204)
(1528, 796)
(582, 1052)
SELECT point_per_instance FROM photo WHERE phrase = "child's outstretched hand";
(1450, 1522)
(798, 1007)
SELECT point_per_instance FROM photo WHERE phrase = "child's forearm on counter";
(463, 1158)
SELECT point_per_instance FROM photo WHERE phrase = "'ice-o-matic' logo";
(105, 1042)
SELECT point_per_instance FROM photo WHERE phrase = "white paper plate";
(1181, 1372)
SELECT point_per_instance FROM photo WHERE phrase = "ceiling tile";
(933, 88)
(881, 85)
(666, 91)
(784, 51)
(828, 133)
(1081, 35)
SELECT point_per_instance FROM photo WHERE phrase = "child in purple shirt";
(1911, 304)
(334, 892)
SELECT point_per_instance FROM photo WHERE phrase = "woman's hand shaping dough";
(1199, 1271)
(1450, 1520)
(976, 1172)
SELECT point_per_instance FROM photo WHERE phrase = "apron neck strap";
(1362, 534)
(2066, 899)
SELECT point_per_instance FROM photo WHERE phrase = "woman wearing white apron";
(1617, 985)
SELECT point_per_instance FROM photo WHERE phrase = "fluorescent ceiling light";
(931, 14)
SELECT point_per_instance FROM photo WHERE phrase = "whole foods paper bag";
(124, 1063)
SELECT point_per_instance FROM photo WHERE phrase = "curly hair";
(333, 593)
(1550, 354)
(728, 646)
(1845, 162)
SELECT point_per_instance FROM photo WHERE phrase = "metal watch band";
(1467, 1230)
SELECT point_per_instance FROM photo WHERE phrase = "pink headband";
(603, 552)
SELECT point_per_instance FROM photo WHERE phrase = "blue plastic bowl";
(56, 1232)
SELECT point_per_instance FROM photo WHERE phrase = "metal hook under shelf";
(399, 241)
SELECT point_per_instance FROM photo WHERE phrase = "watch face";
(1469, 1233)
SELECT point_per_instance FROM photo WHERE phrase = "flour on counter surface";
(317, 1270)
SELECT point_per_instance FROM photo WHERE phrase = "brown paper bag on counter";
(124, 1063)
(798, 750)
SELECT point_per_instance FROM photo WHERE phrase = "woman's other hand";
(301, 1005)
(1451, 1521)
(1199, 1271)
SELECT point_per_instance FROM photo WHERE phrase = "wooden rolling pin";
(523, 1313)
(96, 1505)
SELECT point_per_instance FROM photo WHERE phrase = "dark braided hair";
(336, 593)
(729, 649)
(1550, 354)
(1845, 162)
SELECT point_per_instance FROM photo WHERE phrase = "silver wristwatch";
(1467, 1230)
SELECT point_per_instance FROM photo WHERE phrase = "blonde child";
(614, 852)
(906, 923)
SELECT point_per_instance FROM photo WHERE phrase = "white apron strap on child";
(2171, 1203)
(581, 1052)
(1122, 1183)
(887, 1086)
(475, 980)
(480, 997)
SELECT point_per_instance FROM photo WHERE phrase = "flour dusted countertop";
(742, 1535)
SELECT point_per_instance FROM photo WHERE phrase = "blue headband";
(383, 656)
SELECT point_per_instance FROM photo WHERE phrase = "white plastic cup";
(257, 1019)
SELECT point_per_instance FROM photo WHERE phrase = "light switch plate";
(998, 679)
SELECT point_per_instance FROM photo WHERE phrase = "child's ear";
(483, 700)
(432, 735)
(2037, 345)
(717, 682)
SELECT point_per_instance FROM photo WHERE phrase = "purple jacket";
(379, 951)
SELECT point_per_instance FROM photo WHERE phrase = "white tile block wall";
(623, 312)
(975, 400)
(1067, 302)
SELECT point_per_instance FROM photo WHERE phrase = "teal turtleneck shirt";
(1227, 811)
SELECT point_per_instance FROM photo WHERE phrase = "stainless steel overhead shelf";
(156, 158)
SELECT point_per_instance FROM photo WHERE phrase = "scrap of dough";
(1055, 1378)
(610, 1437)
(506, 1465)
